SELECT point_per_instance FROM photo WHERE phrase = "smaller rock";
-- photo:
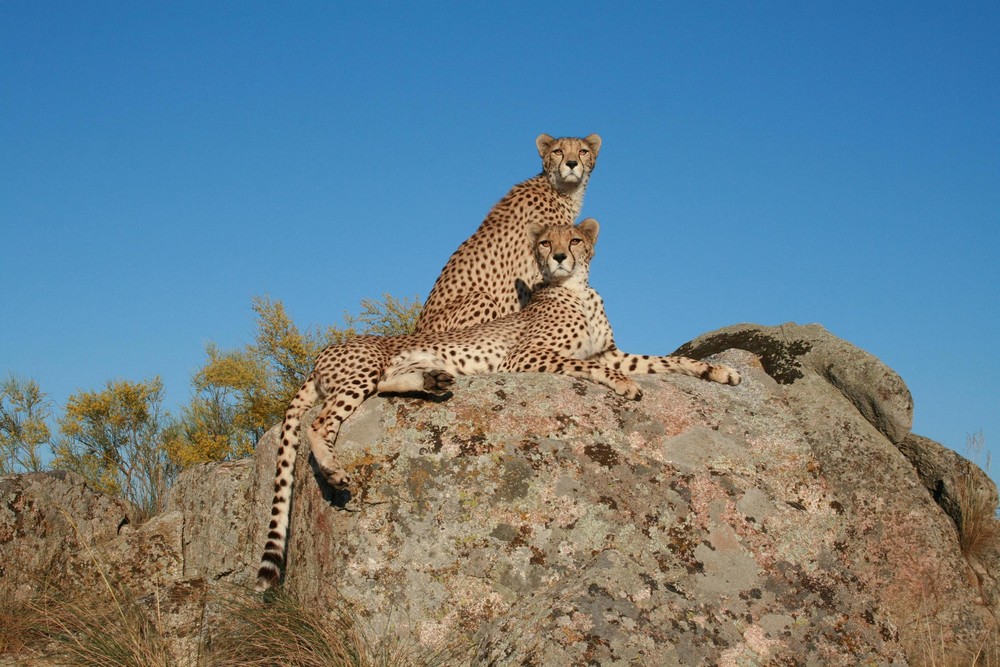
(878, 393)
(46, 519)
(941, 470)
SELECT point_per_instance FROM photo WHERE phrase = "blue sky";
(839, 163)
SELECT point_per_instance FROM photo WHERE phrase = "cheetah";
(493, 272)
(563, 329)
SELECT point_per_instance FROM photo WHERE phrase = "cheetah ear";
(589, 228)
(594, 141)
(543, 142)
(535, 229)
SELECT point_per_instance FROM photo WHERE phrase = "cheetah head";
(563, 251)
(567, 162)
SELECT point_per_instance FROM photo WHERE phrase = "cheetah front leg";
(547, 361)
(642, 364)
(322, 433)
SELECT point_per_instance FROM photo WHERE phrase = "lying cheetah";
(493, 272)
(562, 330)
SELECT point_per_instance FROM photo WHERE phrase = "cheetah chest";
(598, 336)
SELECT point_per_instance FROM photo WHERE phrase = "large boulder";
(47, 520)
(556, 523)
(544, 520)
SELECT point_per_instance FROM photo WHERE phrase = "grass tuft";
(282, 631)
(94, 629)
(979, 528)
(253, 632)
(109, 627)
(104, 631)
(22, 625)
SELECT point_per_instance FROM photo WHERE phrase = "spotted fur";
(562, 330)
(493, 272)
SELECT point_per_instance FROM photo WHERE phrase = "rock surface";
(790, 520)
(47, 520)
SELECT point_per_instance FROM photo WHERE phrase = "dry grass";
(109, 629)
(282, 631)
(936, 651)
(105, 631)
(979, 538)
(979, 532)
(979, 529)
(989, 653)
(99, 630)
(22, 626)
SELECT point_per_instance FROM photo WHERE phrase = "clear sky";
(768, 162)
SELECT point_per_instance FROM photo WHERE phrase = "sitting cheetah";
(493, 272)
(562, 330)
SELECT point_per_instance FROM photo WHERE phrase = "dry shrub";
(979, 529)
(110, 629)
(282, 631)
(103, 630)
(979, 532)
(22, 625)
(252, 632)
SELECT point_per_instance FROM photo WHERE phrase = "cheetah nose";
(572, 164)
(559, 257)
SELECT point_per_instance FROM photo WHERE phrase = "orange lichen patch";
(471, 418)
(418, 481)
(755, 648)
(780, 455)
(473, 604)
(638, 441)
(672, 408)
(705, 493)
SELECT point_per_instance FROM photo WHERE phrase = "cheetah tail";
(273, 560)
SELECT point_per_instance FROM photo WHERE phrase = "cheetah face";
(563, 251)
(568, 161)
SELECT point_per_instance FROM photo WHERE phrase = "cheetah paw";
(338, 479)
(438, 382)
(724, 375)
(629, 389)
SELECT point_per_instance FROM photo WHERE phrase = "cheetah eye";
(557, 151)
(545, 244)
(583, 151)
(575, 241)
